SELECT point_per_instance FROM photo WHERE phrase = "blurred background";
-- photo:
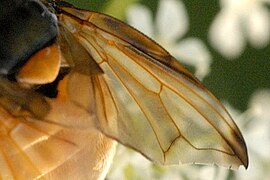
(226, 44)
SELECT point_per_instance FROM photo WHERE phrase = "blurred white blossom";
(171, 24)
(240, 21)
(257, 135)
(129, 165)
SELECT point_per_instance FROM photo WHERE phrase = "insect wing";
(146, 100)
(32, 148)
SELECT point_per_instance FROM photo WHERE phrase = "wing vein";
(182, 96)
(102, 99)
(110, 92)
(8, 163)
(24, 155)
(135, 99)
(172, 89)
(158, 64)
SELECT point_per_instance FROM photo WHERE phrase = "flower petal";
(207, 173)
(172, 20)
(140, 17)
(192, 51)
(256, 170)
(259, 136)
(259, 104)
(226, 36)
(258, 26)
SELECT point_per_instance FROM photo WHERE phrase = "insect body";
(99, 79)
(30, 24)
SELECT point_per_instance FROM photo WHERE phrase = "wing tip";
(240, 149)
(244, 158)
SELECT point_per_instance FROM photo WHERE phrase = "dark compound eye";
(7, 6)
(25, 28)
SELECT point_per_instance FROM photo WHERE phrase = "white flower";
(170, 25)
(260, 105)
(260, 125)
(129, 163)
(257, 135)
(240, 21)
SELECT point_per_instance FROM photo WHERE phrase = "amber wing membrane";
(42, 148)
(146, 100)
